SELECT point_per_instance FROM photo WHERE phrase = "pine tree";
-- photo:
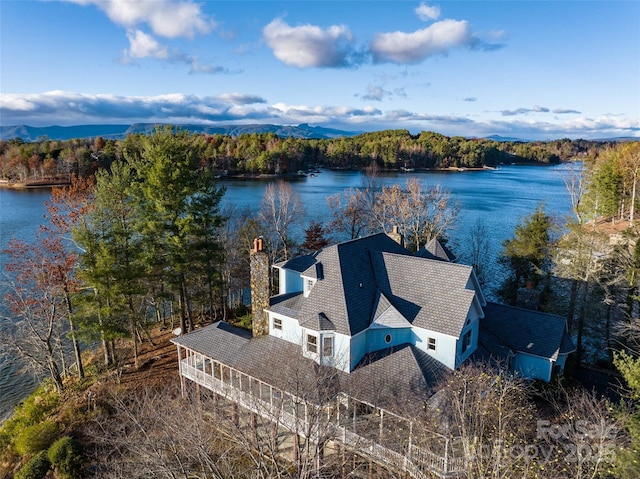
(527, 256)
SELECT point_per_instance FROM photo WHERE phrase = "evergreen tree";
(111, 263)
(627, 465)
(527, 256)
(178, 215)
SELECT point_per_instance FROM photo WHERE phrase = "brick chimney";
(259, 288)
(396, 236)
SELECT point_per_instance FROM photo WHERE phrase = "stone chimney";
(259, 288)
(396, 236)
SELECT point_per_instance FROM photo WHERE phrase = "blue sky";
(526, 69)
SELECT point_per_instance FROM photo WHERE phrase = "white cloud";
(425, 12)
(308, 45)
(166, 18)
(142, 45)
(67, 108)
(240, 98)
(76, 108)
(438, 38)
(525, 111)
(375, 93)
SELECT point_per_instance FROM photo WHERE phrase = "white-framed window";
(327, 346)
(277, 324)
(431, 344)
(466, 341)
(312, 344)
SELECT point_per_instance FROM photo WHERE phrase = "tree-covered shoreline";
(268, 154)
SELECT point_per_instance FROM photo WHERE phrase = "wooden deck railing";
(318, 422)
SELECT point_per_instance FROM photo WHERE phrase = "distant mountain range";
(117, 132)
(32, 133)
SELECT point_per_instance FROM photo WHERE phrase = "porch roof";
(399, 379)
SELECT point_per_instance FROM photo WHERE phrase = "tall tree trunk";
(54, 370)
(608, 333)
(108, 353)
(133, 325)
(105, 350)
(573, 295)
(187, 305)
(581, 320)
(74, 340)
(63, 360)
(76, 349)
(183, 315)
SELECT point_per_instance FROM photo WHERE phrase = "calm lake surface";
(501, 197)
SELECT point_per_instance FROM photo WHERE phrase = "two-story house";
(387, 322)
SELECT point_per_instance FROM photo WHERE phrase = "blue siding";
(532, 367)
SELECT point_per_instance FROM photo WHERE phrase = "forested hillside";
(268, 153)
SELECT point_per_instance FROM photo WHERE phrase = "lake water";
(501, 197)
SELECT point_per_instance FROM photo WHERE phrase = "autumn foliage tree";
(41, 291)
(37, 305)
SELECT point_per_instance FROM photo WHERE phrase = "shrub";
(36, 468)
(33, 409)
(243, 321)
(66, 455)
(36, 438)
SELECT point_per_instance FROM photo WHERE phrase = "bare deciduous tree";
(153, 432)
(480, 253)
(576, 183)
(350, 213)
(491, 414)
(422, 212)
(281, 209)
(37, 308)
(582, 436)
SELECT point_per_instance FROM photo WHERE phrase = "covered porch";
(364, 428)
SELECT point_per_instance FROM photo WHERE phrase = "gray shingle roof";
(386, 315)
(272, 360)
(490, 348)
(221, 337)
(430, 294)
(319, 323)
(427, 293)
(287, 304)
(434, 249)
(346, 290)
(399, 378)
(299, 263)
(528, 331)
